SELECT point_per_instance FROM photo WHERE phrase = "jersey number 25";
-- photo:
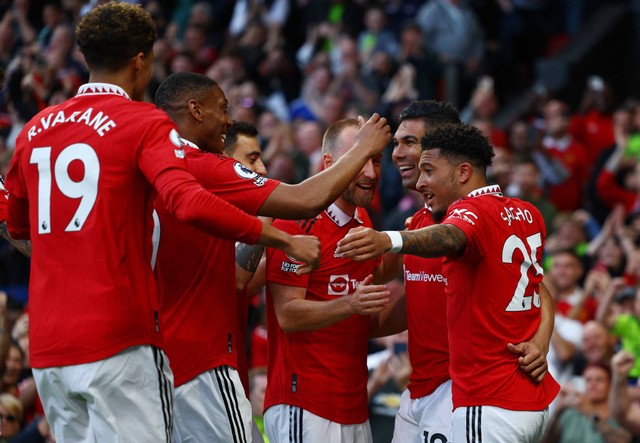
(520, 302)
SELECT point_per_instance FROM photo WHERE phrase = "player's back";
(494, 300)
(84, 166)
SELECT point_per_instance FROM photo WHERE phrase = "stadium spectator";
(10, 417)
(455, 41)
(625, 409)
(567, 192)
(586, 416)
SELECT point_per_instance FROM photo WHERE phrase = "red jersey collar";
(102, 89)
(487, 190)
(340, 217)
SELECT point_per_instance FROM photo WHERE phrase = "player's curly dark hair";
(112, 34)
(431, 112)
(176, 90)
(460, 143)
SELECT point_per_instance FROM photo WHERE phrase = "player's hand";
(369, 299)
(531, 361)
(304, 248)
(374, 135)
(362, 244)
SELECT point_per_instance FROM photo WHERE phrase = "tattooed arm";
(23, 246)
(434, 241)
(247, 260)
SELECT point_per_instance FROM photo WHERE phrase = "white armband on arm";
(396, 241)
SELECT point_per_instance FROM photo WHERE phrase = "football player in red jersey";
(319, 323)
(492, 247)
(81, 183)
(196, 272)
(425, 407)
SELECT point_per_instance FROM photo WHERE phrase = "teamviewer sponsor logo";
(338, 285)
(424, 277)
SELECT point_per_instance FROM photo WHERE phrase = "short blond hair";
(12, 405)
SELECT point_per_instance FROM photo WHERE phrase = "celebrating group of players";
(132, 212)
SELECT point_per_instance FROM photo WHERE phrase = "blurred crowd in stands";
(292, 67)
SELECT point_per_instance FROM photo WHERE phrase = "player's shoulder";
(230, 170)
(528, 208)
(421, 219)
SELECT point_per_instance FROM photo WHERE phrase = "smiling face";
(407, 151)
(362, 189)
(437, 183)
(597, 384)
(216, 120)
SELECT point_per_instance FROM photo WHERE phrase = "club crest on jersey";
(338, 285)
(174, 137)
(243, 171)
(464, 214)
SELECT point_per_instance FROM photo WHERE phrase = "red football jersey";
(323, 371)
(426, 305)
(195, 272)
(493, 300)
(4, 197)
(80, 185)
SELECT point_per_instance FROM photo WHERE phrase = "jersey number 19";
(85, 189)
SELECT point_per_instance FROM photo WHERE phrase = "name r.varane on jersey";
(100, 122)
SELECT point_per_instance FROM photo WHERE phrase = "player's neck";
(118, 78)
(472, 185)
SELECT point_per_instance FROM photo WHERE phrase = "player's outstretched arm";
(303, 199)
(533, 353)
(305, 248)
(434, 241)
(295, 313)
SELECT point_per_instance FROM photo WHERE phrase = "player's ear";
(138, 62)
(465, 171)
(195, 109)
(327, 160)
